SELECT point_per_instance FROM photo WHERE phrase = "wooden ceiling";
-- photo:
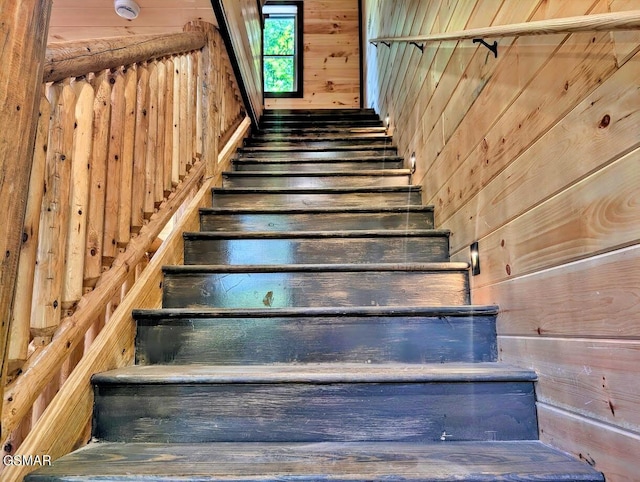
(85, 19)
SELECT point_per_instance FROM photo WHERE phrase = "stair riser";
(321, 289)
(329, 123)
(303, 339)
(293, 136)
(235, 180)
(315, 222)
(399, 249)
(311, 131)
(311, 200)
(316, 166)
(411, 412)
(379, 153)
(325, 117)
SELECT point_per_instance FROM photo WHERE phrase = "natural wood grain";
(152, 141)
(70, 59)
(114, 167)
(128, 153)
(97, 192)
(79, 196)
(54, 222)
(581, 376)
(158, 183)
(19, 335)
(359, 461)
(587, 23)
(595, 296)
(141, 149)
(283, 179)
(167, 155)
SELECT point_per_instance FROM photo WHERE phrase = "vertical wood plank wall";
(331, 57)
(536, 155)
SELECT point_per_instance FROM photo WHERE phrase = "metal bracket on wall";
(493, 47)
(386, 43)
(417, 45)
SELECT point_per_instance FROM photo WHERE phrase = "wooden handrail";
(75, 58)
(629, 20)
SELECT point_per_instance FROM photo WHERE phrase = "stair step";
(307, 142)
(314, 403)
(303, 131)
(318, 165)
(313, 335)
(318, 219)
(331, 123)
(339, 135)
(317, 197)
(283, 179)
(383, 246)
(517, 461)
(318, 113)
(313, 150)
(225, 286)
(318, 154)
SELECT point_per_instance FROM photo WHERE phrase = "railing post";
(24, 33)
(209, 67)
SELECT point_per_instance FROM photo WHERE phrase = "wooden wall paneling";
(73, 286)
(596, 215)
(97, 191)
(158, 183)
(581, 376)
(607, 449)
(450, 62)
(398, 14)
(626, 43)
(54, 221)
(545, 93)
(185, 144)
(175, 157)
(595, 297)
(114, 168)
(140, 150)
(128, 152)
(598, 130)
(523, 123)
(152, 140)
(168, 127)
(19, 336)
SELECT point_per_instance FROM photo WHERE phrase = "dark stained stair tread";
(520, 461)
(369, 178)
(430, 233)
(317, 154)
(317, 268)
(292, 160)
(364, 172)
(320, 190)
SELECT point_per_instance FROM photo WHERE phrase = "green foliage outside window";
(279, 51)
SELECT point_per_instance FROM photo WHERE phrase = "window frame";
(298, 81)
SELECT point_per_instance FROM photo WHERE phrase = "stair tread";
(378, 233)
(354, 173)
(343, 312)
(276, 160)
(316, 373)
(331, 461)
(379, 267)
(309, 210)
(313, 190)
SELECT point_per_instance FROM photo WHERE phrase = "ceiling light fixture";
(128, 9)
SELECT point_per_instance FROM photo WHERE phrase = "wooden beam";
(603, 22)
(71, 59)
(23, 31)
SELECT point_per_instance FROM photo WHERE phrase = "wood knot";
(606, 120)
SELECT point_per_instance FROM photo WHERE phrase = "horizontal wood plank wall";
(534, 154)
(245, 28)
(331, 57)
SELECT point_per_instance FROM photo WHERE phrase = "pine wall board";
(331, 76)
(535, 155)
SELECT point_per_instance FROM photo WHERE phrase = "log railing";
(128, 132)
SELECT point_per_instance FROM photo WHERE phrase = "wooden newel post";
(24, 28)
(207, 83)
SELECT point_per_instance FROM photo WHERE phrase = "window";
(282, 40)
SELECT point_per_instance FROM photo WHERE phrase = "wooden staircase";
(317, 331)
